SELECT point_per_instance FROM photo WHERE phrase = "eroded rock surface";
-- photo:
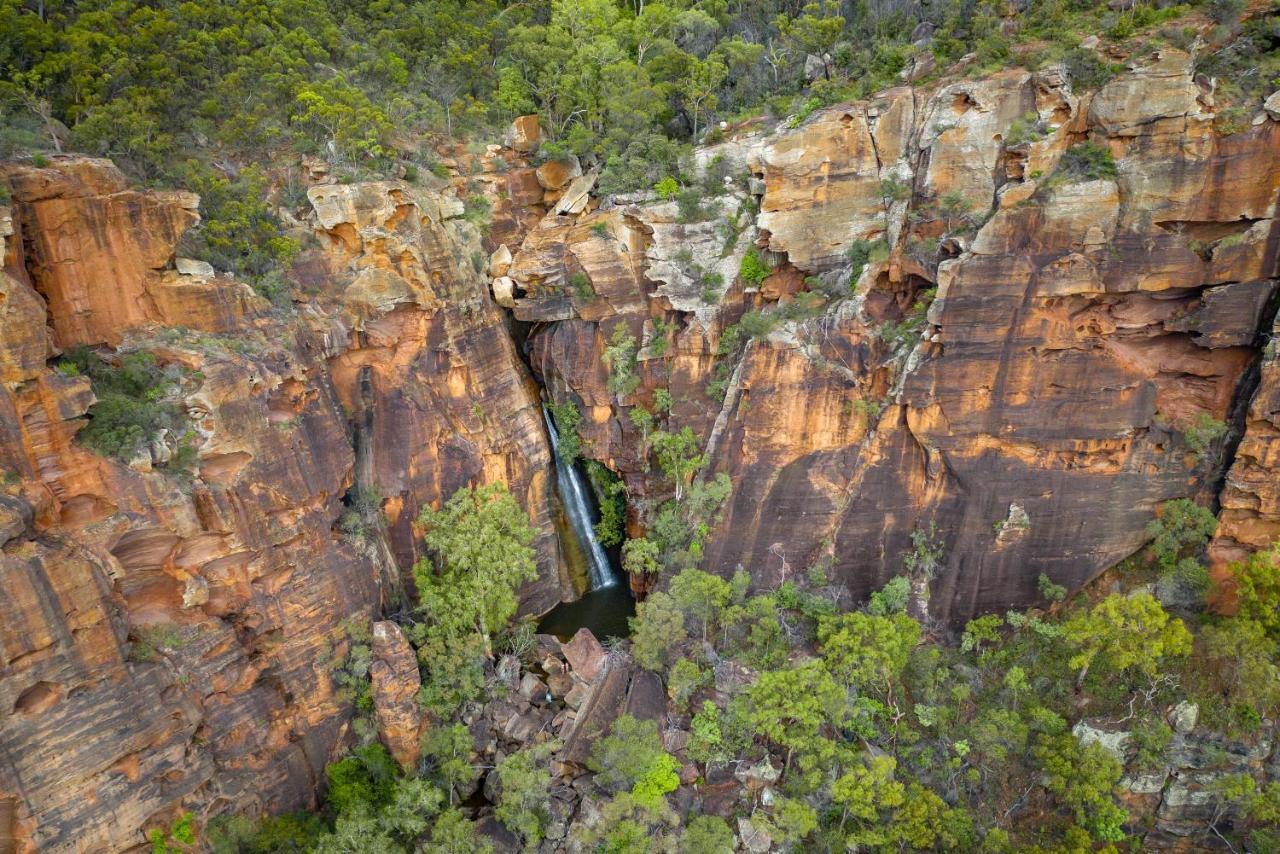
(1081, 323)
(165, 638)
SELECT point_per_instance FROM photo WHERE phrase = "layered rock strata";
(166, 637)
(1099, 273)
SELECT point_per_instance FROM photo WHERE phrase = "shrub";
(1258, 580)
(611, 498)
(238, 230)
(1082, 776)
(631, 757)
(1087, 161)
(754, 269)
(1086, 70)
(477, 210)
(525, 792)
(685, 679)
(181, 836)
(1028, 128)
(860, 252)
(656, 630)
(620, 356)
(711, 285)
(1177, 536)
(566, 416)
(1050, 591)
(667, 188)
(757, 324)
(581, 286)
(363, 780)
(136, 401)
(647, 159)
(707, 834)
(1226, 11)
(712, 180)
(890, 599)
(690, 207)
(640, 557)
(234, 834)
(1202, 432)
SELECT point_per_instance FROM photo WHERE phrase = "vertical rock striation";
(1084, 320)
(165, 637)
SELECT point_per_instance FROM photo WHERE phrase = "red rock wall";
(1073, 337)
(164, 641)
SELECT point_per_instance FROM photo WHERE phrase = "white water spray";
(573, 493)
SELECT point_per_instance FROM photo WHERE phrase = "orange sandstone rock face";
(98, 252)
(1250, 517)
(1080, 327)
(165, 641)
(421, 358)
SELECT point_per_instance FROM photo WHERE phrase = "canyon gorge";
(995, 317)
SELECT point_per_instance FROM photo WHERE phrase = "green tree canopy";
(480, 553)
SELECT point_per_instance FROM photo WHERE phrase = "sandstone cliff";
(1082, 325)
(165, 638)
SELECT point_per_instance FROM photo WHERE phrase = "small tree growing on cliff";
(620, 356)
(679, 457)
(480, 554)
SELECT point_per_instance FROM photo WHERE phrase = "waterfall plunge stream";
(573, 493)
(607, 607)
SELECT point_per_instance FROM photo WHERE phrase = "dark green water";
(604, 612)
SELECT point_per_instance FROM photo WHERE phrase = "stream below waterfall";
(606, 607)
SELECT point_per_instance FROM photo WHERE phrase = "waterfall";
(573, 493)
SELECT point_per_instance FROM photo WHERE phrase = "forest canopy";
(624, 83)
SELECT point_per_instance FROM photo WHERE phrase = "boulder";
(1116, 742)
(758, 776)
(504, 290)
(720, 798)
(1183, 716)
(815, 67)
(555, 174)
(1272, 106)
(395, 693)
(500, 261)
(15, 516)
(576, 195)
(533, 689)
(522, 728)
(577, 695)
(508, 670)
(560, 684)
(732, 677)
(585, 655)
(525, 134)
(754, 838)
(192, 267)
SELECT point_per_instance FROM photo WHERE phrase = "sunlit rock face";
(166, 641)
(161, 638)
(1081, 325)
(422, 359)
